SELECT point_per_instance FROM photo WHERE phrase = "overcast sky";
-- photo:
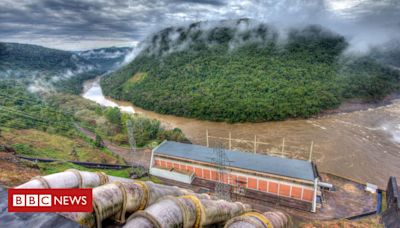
(86, 24)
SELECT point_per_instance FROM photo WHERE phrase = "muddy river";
(362, 145)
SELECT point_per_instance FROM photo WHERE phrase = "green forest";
(57, 114)
(57, 69)
(235, 75)
(21, 109)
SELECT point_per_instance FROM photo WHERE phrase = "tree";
(113, 115)
(143, 129)
(99, 142)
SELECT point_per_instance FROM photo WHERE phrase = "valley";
(202, 121)
(367, 138)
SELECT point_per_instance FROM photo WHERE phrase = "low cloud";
(85, 24)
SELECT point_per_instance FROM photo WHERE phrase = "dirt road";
(142, 156)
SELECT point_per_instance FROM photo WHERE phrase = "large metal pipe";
(186, 211)
(115, 200)
(71, 178)
(275, 219)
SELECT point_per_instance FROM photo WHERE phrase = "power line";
(23, 112)
(40, 124)
(39, 103)
(18, 112)
(43, 122)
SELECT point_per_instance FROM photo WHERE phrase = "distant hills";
(105, 58)
(43, 68)
(243, 70)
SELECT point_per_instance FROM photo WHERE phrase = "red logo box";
(50, 200)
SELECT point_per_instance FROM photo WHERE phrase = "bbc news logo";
(50, 200)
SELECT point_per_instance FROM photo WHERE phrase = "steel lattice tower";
(222, 188)
(131, 138)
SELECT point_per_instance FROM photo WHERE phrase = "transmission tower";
(222, 189)
(131, 138)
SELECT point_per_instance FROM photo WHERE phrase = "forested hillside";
(45, 127)
(20, 109)
(35, 128)
(247, 71)
(41, 68)
(57, 113)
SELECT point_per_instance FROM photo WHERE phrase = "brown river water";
(362, 145)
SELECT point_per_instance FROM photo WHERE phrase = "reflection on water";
(93, 92)
(363, 145)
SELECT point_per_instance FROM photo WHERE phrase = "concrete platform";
(349, 199)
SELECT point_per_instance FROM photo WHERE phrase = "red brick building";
(275, 176)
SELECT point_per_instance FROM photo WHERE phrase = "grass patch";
(139, 76)
(41, 144)
(56, 167)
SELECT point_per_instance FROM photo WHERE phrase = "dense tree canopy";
(113, 115)
(228, 73)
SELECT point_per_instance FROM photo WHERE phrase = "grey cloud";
(83, 24)
(205, 2)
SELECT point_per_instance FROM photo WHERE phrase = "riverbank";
(354, 105)
(92, 91)
(354, 144)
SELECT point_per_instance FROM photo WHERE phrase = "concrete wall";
(184, 178)
(263, 184)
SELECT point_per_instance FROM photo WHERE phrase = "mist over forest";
(43, 69)
(245, 70)
(289, 107)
